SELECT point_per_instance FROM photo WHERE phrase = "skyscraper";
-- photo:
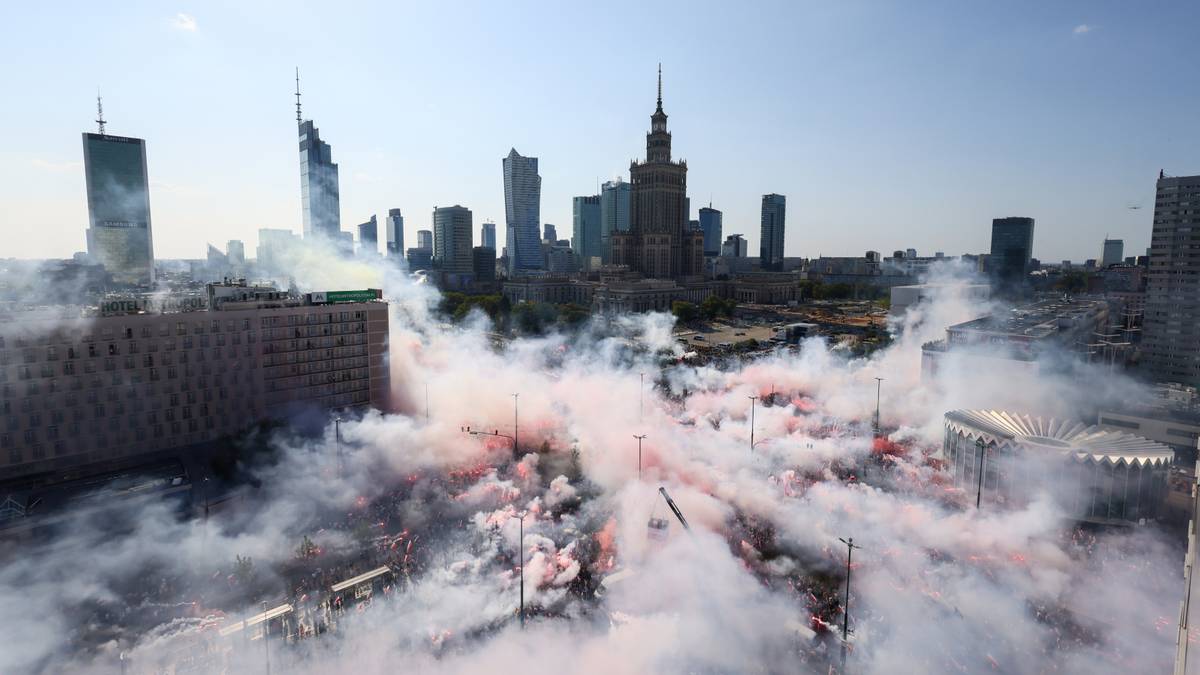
(483, 263)
(235, 250)
(452, 239)
(425, 240)
(118, 196)
(585, 228)
(710, 224)
(368, 237)
(1012, 247)
(734, 247)
(770, 244)
(1171, 337)
(614, 214)
(659, 243)
(394, 226)
(1114, 252)
(549, 233)
(319, 200)
(522, 212)
(487, 236)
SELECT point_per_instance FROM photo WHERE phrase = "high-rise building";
(118, 196)
(274, 246)
(522, 212)
(368, 237)
(452, 239)
(1171, 329)
(483, 263)
(487, 236)
(770, 245)
(425, 240)
(1012, 247)
(735, 247)
(320, 203)
(1114, 251)
(614, 214)
(659, 244)
(585, 228)
(549, 233)
(710, 225)
(395, 233)
(235, 250)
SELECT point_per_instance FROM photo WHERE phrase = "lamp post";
(337, 434)
(850, 546)
(641, 393)
(878, 386)
(752, 400)
(521, 561)
(266, 637)
(476, 432)
(982, 448)
(515, 427)
(639, 440)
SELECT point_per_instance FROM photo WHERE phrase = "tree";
(243, 568)
(685, 312)
(307, 548)
(572, 314)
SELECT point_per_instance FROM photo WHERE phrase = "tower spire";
(298, 120)
(660, 85)
(99, 112)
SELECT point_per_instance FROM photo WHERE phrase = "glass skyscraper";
(1012, 247)
(118, 196)
(487, 235)
(394, 225)
(710, 224)
(770, 245)
(368, 237)
(452, 239)
(585, 229)
(614, 214)
(318, 185)
(522, 212)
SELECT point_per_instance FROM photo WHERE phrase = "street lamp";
(641, 393)
(266, 637)
(494, 432)
(878, 386)
(521, 561)
(337, 433)
(752, 400)
(515, 427)
(982, 448)
(850, 546)
(426, 403)
(639, 440)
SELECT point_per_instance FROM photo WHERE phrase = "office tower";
(710, 225)
(522, 212)
(1012, 247)
(395, 233)
(614, 214)
(420, 259)
(119, 236)
(319, 198)
(274, 246)
(1171, 337)
(549, 233)
(770, 245)
(452, 239)
(425, 240)
(659, 244)
(368, 237)
(695, 225)
(483, 263)
(235, 250)
(1114, 251)
(487, 235)
(344, 243)
(734, 247)
(585, 229)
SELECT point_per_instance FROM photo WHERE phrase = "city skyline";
(1102, 127)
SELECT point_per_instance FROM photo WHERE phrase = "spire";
(99, 112)
(660, 86)
(298, 120)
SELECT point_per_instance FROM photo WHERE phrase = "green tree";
(572, 314)
(685, 312)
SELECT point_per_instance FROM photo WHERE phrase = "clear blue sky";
(887, 125)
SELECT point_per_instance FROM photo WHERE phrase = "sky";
(886, 125)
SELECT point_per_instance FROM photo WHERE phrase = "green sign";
(345, 296)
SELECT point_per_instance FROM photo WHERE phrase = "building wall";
(452, 239)
(614, 214)
(108, 389)
(119, 234)
(773, 222)
(586, 226)
(319, 192)
(1171, 338)
(522, 212)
